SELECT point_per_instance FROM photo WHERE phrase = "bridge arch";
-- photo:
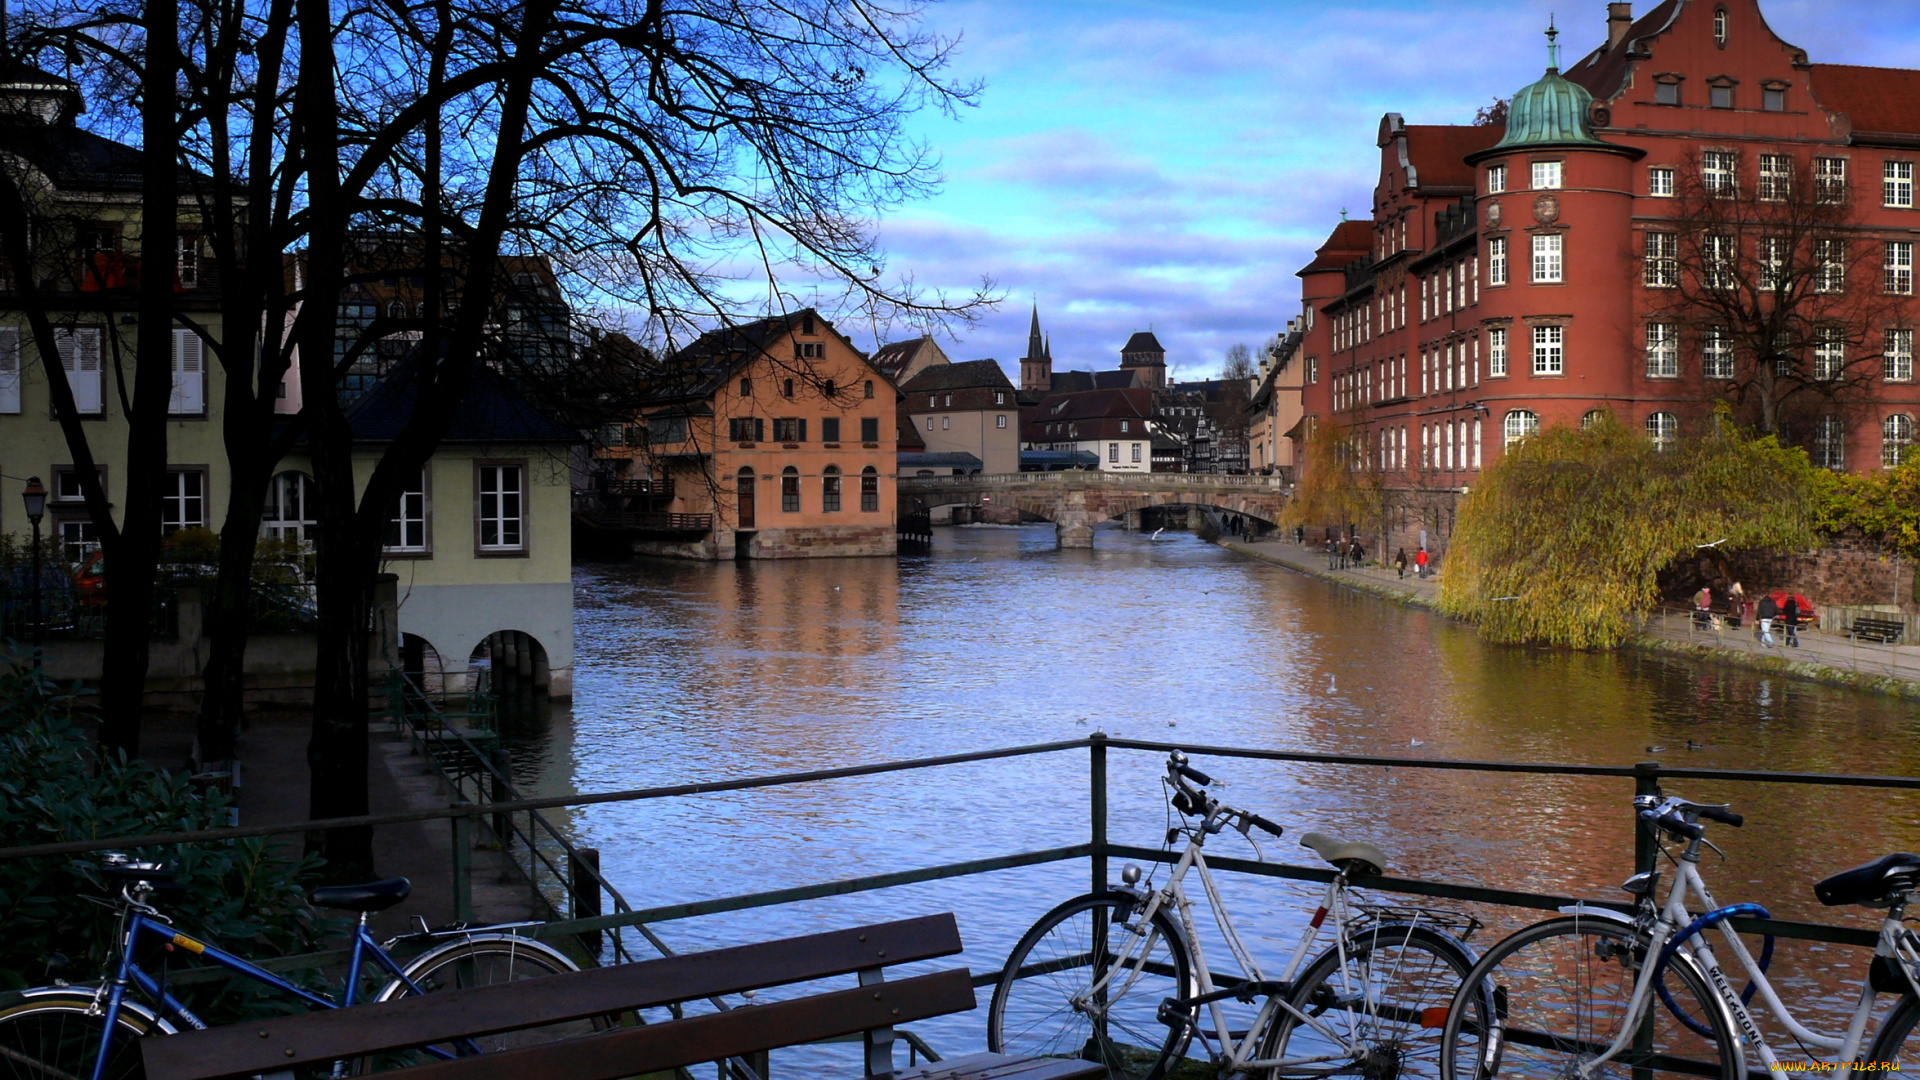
(1077, 501)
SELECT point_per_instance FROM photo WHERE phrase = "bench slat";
(339, 1034)
(711, 1037)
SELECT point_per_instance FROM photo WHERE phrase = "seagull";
(1332, 686)
(1416, 742)
(1157, 532)
(1655, 749)
(1082, 720)
(1170, 723)
(1716, 543)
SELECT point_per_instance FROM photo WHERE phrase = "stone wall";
(1850, 570)
(822, 541)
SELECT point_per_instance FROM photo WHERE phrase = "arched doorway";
(420, 662)
(743, 487)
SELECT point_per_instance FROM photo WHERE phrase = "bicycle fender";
(84, 995)
(1588, 911)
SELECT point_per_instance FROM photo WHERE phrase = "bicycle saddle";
(1355, 857)
(1871, 882)
(372, 896)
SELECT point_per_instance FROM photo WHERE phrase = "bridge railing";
(1082, 479)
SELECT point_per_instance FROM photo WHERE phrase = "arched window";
(869, 387)
(830, 490)
(786, 388)
(869, 489)
(1830, 443)
(790, 490)
(1591, 418)
(1519, 424)
(397, 310)
(1663, 428)
(1896, 434)
(289, 513)
(827, 388)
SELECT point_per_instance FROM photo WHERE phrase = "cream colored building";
(966, 408)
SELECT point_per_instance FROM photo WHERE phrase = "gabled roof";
(1143, 341)
(491, 411)
(1877, 100)
(1116, 380)
(1603, 71)
(1096, 404)
(906, 435)
(1438, 153)
(698, 369)
(1348, 241)
(966, 375)
(896, 356)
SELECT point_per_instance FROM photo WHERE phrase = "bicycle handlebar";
(1723, 816)
(1191, 773)
(1262, 823)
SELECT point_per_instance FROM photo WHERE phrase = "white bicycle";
(1575, 996)
(1119, 976)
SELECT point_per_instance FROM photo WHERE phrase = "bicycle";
(1575, 995)
(1120, 976)
(66, 1032)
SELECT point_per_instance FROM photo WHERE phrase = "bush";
(1882, 505)
(246, 896)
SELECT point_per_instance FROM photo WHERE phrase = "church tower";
(1036, 368)
(1144, 352)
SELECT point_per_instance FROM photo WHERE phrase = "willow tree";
(1562, 539)
(1341, 485)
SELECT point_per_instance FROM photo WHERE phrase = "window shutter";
(9, 370)
(801, 428)
(189, 374)
(80, 359)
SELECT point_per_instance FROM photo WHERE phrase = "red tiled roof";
(1601, 71)
(1349, 241)
(1438, 151)
(1885, 100)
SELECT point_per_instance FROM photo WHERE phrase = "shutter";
(189, 374)
(801, 426)
(9, 370)
(80, 360)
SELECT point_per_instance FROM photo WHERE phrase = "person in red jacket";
(1420, 563)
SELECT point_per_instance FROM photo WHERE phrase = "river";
(693, 671)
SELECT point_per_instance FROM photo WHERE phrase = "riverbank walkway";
(1380, 580)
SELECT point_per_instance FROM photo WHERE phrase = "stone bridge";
(1077, 501)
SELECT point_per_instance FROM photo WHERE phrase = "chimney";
(1619, 21)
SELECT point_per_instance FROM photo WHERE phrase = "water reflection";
(697, 671)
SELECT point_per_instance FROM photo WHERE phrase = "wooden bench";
(1885, 631)
(872, 1008)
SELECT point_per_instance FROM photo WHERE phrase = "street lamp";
(35, 496)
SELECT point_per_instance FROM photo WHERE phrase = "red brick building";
(1528, 273)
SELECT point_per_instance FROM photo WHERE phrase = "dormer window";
(806, 324)
(1773, 97)
(1720, 27)
(1720, 97)
(1666, 90)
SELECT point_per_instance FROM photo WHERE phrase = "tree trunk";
(223, 689)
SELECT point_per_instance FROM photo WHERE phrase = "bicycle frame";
(1895, 941)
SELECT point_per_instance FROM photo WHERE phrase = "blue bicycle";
(67, 1032)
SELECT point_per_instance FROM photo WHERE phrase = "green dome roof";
(1551, 110)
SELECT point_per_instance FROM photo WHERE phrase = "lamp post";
(35, 496)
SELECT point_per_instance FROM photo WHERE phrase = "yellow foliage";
(1560, 541)
(1337, 487)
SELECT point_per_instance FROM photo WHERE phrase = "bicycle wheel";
(51, 1037)
(1560, 992)
(1389, 999)
(1044, 1004)
(491, 960)
(1898, 1041)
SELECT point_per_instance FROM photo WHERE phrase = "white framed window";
(1716, 256)
(80, 359)
(1720, 26)
(1719, 172)
(1549, 350)
(289, 512)
(1497, 352)
(1900, 267)
(1548, 257)
(1660, 182)
(1896, 434)
(1830, 443)
(9, 369)
(1663, 428)
(1476, 442)
(1829, 352)
(1519, 424)
(1000, 420)
(1590, 418)
(1830, 179)
(183, 500)
(189, 396)
(1546, 175)
(1773, 262)
(1136, 453)
(500, 510)
(1497, 260)
(1830, 265)
(1897, 362)
(1776, 177)
(1663, 351)
(408, 524)
(1897, 184)
(1496, 179)
(186, 260)
(1663, 260)
(1716, 353)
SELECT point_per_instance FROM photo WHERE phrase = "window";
(183, 500)
(1136, 453)
(1720, 26)
(869, 429)
(396, 310)
(1716, 353)
(789, 490)
(869, 388)
(1660, 182)
(1773, 262)
(746, 387)
(1663, 260)
(929, 423)
(1519, 424)
(809, 350)
(827, 389)
(946, 423)
(1666, 92)
(747, 429)
(186, 260)
(1830, 444)
(1897, 188)
(1829, 352)
(1776, 177)
(66, 484)
(830, 489)
(666, 430)
(869, 490)
(1313, 370)
(1719, 172)
(289, 512)
(786, 388)
(806, 324)
(1497, 260)
(933, 401)
(1720, 96)
(1896, 434)
(999, 397)
(1830, 179)
(77, 539)
(1496, 179)
(1546, 174)
(1830, 266)
(948, 403)
(1000, 421)
(9, 369)
(1716, 255)
(1123, 426)
(830, 429)
(407, 523)
(1663, 428)
(1773, 98)
(1900, 266)
(1547, 262)
(502, 511)
(80, 359)
(1113, 453)
(788, 429)
(1897, 366)
(1549, 345)
(1663, 351)
(1591, 417)
(1497, 352)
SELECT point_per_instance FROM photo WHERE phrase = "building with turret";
(1144, 354)
(1691, 220)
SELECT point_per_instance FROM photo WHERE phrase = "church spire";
(1036, 345)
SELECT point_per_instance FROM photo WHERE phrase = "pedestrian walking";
(1357, 554)
(1420, 559)
(1300, 535)
(1790, 620)
(1763, 619)
(1400, 563)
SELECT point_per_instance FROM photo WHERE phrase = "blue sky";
(1135, 163)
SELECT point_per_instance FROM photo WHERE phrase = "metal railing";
(1828, 644)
